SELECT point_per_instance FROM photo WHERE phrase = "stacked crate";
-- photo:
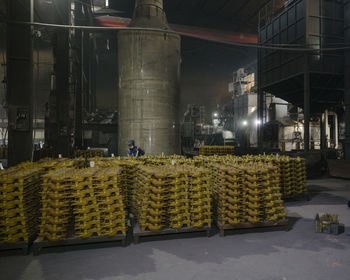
(150, 198)
(292, 171)
(228, 193)
(85, 205)
(128, 175)
(19, 203)
(200, 197)
(110, 201)
(171, 197)
(82, 203)
(274, 209)
(178, 199)
(300, 175)
(56, 212)
(216, 150)
(247, 193)
(256, 183)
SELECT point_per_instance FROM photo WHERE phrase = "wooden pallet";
(138, 233)
(21, 246)
(17, 247)
(74, 242)
(223, 228)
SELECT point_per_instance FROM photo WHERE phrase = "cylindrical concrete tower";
(149, 73)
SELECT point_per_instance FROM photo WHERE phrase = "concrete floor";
(297, 254)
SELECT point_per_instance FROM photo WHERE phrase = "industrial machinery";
(149, 73)
(282, 122)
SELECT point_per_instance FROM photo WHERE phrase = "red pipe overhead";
(109, 21)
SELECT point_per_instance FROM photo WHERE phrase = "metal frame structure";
(315, 80)
(73, 70)
(20, 81)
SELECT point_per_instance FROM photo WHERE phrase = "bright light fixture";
(215, 115)
(258, 122)
(107, 3)
(245, 123)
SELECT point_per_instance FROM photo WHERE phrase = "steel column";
(61, 53)
(307, 84)
(260, 106)
(306, 108)
(347, 81)
(20, 81)
(79, 72)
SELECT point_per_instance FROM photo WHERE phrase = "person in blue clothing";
(134, 151)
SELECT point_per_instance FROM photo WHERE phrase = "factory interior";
(174, 139)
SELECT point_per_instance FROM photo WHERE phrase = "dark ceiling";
(233, 15)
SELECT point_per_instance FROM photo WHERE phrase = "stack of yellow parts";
(85, 205)
(216, 150)
(171, 197)
(150, 197)
(300, 175)
(98, 206)
(200, 197)
(56, 212)
(228, 193)
(88, 153)
(274, 209)
(53, 165)
(19, 203)
(128, 175)
(288, 178)
(263, 199)
(178, 200)
(292, 171)
(82, 203)
(247, 193)
(257, 183)
(111, 207)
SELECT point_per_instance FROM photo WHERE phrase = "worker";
(134, 151)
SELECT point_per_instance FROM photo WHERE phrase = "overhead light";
(245, 123)
(258, 122)
(215, 115)
(107, 3)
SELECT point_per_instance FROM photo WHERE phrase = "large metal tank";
(149, 73)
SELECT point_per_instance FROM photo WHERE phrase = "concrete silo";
(149, 73)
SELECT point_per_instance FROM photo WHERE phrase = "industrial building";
(174, 139)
